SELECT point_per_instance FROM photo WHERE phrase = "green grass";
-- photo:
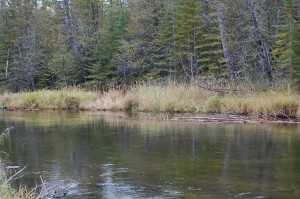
(149, 98)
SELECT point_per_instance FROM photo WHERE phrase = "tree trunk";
(6, 68)
(234, 75)
(265, 58)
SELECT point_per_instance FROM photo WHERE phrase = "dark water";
(102, 155)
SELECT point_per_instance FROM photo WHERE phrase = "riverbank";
(174, 98)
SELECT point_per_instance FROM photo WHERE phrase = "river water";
(111, 155)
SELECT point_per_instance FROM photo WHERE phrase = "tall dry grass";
(278, 104)
(171, 97)
(68, 98)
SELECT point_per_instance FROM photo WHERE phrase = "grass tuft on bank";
(69, 98)
(276, 104)
(170, 98)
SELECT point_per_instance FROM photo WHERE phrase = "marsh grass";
(169, 98)
(278, 104)
(68, 98)
(213, 105)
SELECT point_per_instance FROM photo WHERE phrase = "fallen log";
(235, 119)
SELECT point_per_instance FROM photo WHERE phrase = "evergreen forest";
(94, 44)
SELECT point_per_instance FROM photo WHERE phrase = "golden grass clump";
(276, 104)
(213, 104)
(68, 98)
(170, 98)
(112, 100)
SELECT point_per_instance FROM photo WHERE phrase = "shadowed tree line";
(100, 43)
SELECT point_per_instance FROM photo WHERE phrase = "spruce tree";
(211, 53)
(284, 39)
(164, 59)
(188, 38)
(7, 21)
(296, 58)
(134, 59)
(112, 22)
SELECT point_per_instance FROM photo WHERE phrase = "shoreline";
(182, 117)
(170, 100)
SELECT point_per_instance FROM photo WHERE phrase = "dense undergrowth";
(170, 98)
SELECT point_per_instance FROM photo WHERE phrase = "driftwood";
(237, 119)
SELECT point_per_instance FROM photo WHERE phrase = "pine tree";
(188, 38)
(134, 59)
(284, 39)
(24, 68)
(164, 59)
(7, 33)
(114, 19)
(211, 53)
(296, 57)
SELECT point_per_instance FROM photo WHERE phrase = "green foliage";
(96, 44)
(188, 36)
(211, 53)
(6, 35)
(164, 59)
(285, 38)
(101, 69)
(296, 57)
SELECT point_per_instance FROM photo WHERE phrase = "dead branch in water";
(237, 119)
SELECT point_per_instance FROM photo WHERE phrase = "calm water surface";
(103, 155)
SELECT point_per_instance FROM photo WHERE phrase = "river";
(112, 155)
